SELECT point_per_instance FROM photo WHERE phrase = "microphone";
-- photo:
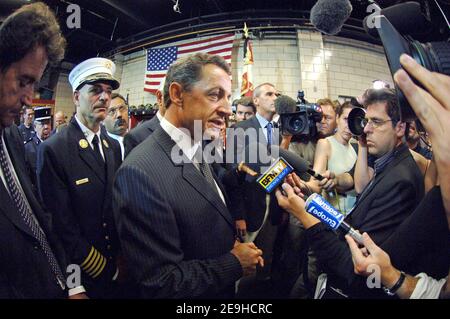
(406, 17)
(328, 16)
(285, 104)
(317, 206)
(301, 165)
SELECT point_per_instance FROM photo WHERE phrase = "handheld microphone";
(317, 206)
(279, 167)
(328, 16)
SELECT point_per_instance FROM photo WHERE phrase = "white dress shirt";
(89, 135)
(119, 139)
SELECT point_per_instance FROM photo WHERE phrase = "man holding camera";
(306, 148)
(394, 191)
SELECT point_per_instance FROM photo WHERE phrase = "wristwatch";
(392, 291)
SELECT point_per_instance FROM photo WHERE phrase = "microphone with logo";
(277, 165)
(317, 206)
(273, 176)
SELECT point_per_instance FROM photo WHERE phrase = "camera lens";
(296, 125)
(434, 56)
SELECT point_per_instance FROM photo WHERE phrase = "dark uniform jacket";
(139, 134)
(78, 193)
(31, 147)
(27, 132)
(24, 269)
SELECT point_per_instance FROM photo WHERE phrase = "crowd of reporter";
(258, 245)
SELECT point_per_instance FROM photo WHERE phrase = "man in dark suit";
(177, 234)
(390, 197)
(75, 173)
(43, 127)
(256, 214)
(138, 134)
(32, 263)
(251, 215)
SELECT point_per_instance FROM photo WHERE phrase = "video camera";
(303, 121)
(434, 56)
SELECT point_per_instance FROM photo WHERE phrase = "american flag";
(159, 59)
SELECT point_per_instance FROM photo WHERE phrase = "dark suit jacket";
(175, 231)
(139, 134)
(78, 193)
(251, 205)
(396, 192)
(31, 156)
(24, 269)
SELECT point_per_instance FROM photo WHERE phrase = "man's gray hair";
(257, 91)
(188, 70)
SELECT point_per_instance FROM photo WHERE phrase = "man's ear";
(76, 98)
(400, 129)
(255, 101)
(176, 93)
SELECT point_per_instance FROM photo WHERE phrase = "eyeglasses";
(376, 123)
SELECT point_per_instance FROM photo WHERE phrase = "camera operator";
(306, 146)
(433, 110)
(389, 198)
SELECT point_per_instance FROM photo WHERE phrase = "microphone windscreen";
(328, 16)
(285, 104)
(406, 17)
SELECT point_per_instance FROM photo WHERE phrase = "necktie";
(205, 169)
(98, 155)
(269, 127)
(27, 215)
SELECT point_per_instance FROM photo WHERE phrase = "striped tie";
(27, 215)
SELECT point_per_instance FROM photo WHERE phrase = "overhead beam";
(127, 12)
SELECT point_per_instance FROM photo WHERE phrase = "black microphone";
(285, 104)
(406, 17)
(328, 16)
(299, 164)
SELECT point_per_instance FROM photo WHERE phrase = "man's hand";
(362, 140)
(249, 256)
(78, 296)
(241, 228)
(285, 141)
(369, 255)
(293, 202)
(329, 181)
(433, 110)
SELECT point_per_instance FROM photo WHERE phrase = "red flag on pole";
(247, 76)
